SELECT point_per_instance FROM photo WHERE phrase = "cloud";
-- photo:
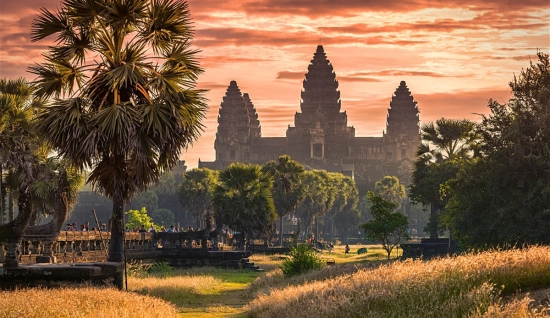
(211, 37)
(292, 75)
(402, 73)
(357, 79)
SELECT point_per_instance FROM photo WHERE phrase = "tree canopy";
(503, 197)
(122, 77)
(386, 227)
(244, 196)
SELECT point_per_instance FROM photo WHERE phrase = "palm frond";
(167, 21)
(49, 23)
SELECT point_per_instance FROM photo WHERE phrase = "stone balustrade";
(77, 246)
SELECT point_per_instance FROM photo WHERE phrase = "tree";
(391, 190)
(344, 208)
(387, 227)
(128, 111)
(244, 196)
(195, 193)
(137, 218)
(443, 143)
(17, 137)
(318, 199)
(287, 190)
(503, 197)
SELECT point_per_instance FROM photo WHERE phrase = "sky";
(453, 55)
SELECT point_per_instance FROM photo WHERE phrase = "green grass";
(231, 290)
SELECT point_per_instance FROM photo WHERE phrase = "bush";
(302, 259)
(160, 268)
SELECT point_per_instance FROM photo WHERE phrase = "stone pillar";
(11, 259)
(48, 255)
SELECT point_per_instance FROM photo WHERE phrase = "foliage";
(243, 195)
(319, 197)
(122, 76)
(163, 217)
(162, 268)
(137, 218)
(287, 188)
(302, 259)
(391, 190)
(444, 145)
(195, 193)
(503, 197)
(387, 228)
(344, 212)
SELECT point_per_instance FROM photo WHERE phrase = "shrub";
(302, 259)
(160, 268)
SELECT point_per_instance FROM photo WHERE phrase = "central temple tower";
(320, 131)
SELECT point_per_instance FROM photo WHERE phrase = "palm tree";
(195, 193)
(345, 203)
(443, 144)
(391, 189)
(318, 199)
(17, 104)
(122, 75)
(243, 194)
(18, 145)
(287, 190)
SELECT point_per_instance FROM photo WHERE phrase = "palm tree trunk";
(116, 244)
(281, 230)
(12, 233)
(2, 218)
(433, 222)
(10, 208)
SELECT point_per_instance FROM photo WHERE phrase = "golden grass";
(468, 285)
(175, 289)
(81, 302)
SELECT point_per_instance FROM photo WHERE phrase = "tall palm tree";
(195, 193)
(345, 203)
(18, 144)
(122, 75)
(287, 190)
(17, 104)
(244, 196)
(443, 143)
(391, 189)
(318, 199)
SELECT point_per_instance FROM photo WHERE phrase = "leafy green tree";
(503, 197)
(391, 190)
(443, 143)
(122, 75)
(137, 218)
(195, 193)
(163, 217)
(387, 227)
(244, 196)
(287, 188)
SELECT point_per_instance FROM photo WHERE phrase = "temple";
(321, 138)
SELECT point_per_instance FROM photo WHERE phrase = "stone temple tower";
(402, 136)
(320, 131)
(238, 126)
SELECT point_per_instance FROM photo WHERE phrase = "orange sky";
(454, 57)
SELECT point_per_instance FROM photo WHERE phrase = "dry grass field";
(511, 283)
